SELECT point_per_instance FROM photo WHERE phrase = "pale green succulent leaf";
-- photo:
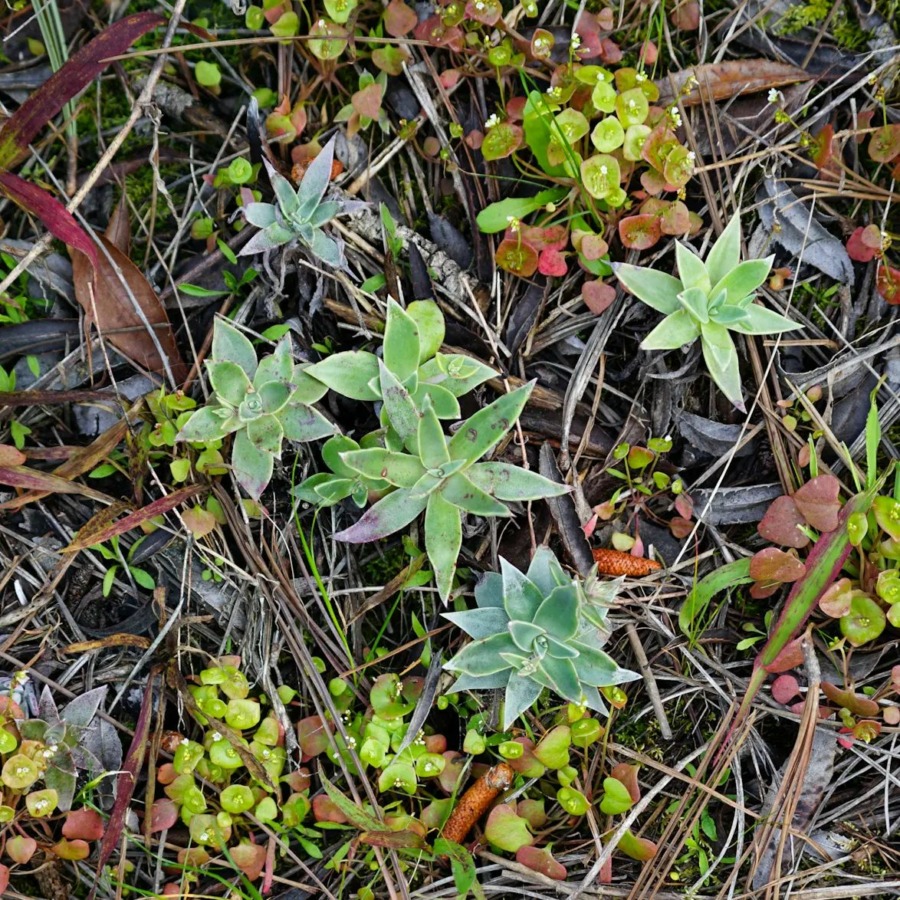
(481, 432)
(691, 269)
(389, 514)
(260, 214)
(558, 614)
(331, 454)
(432, 442)
(306, 388)
(399, 408)
(744, 279)
(426, 485)
(445, 405)
(266, 434)
(521, 693)
(229, 345)
(252, 467)
(443, 541)
(274, 395)
(521, 598)
(277, 366)
(324, 213)
(480, 623)
(323, 489)
(328, 249)
(674, 332)
(561, 677)
(729, 316)
(315, 182)
(401, 343)
(512, 483)
(285, 194)
(268, 239)
(598, 668)
(593, 699)
(399, 469)
(722, 361)
(524, 634)
(725, 253)
(457, 373)
(483, 657)
(489, 591)
(545, 571)
(465, 495)
(696, 303)
(560, 649)
(430, 323)
(352, 374)
(760, 320)
(211, 423)
(480, 682)
(303, 423)
(657, 289)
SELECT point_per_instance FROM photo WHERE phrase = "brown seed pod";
(614, 562)
(474, 802)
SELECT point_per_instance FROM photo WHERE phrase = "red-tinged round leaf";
(888, 284)
(399, 19)
(781, 524)
(639, 232)
(865, 621)
(866, 730)
(627, 774)
(649, 53)
(326, 810)
(818, 502)
(680, 527)
(164, 815)
(542, 861)
(598, 296)
(610, 52)
(835, 601)
(774, 565)
(858, 704)
(449, 78)
(686, 15)
(72, 850)
(760, 592)
(858, 248)
(684, 505)
(506, 830)
(367, 102)
(588, 29)
(487, 12)
(433, 31)
(675, 219)
(592, 247)
(517, 257)
(86, 824)
(312, 733)
(785, 688)
(10, 456)
(20, 849)
(390, 59)
(200, 522)
(449, 777)
(637, 848)
(885, 143)
(501, 141)
(791, 657)
(515, 108)
(533, 812)
(435, 814)
(166, 773)
(4, 878)
(552, 263)
(891, 715)
(250, 859)
(474, 140)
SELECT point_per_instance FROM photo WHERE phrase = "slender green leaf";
(656, 289)
(443, 541)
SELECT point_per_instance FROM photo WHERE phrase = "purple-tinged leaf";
(818, 502)
(781, 524)
(390, 514)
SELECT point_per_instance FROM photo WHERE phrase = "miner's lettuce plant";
(301, 214)
(261, 403)
(707, 301)
(536, 630)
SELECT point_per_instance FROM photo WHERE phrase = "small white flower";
(604, 171)
(576, 41)
(640, 78)
(691, 155)
(491, 121)
(675, 116)
(216, 736)
(184, 742)
(774, 96)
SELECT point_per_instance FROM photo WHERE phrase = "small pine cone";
(614, 562)
(474, 802)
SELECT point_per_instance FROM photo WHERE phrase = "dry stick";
(136, 113)
(665, 729)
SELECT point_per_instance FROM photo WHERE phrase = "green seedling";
(113, 553)
(708, 301)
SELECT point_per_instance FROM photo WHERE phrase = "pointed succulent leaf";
(481, 432)
(691, 269)
(306, 388)
(443, 541)
(561, 677)
(508, 482)
(285, 194)
(521, 599)
(399, 469)
(260, 214)
(266, 433)
(674, 332)
(333, 489)
(465, 495)
(268, 239)
(302, 423)
(430, 322)
(327, 249)
(696, 303)
(759, 320)
(432, 442)
(228, 344)
(729, 316)
(743, 280)
(315, 181)
(524, 634)
(726, 252)
(445, 405)
(426, 485)
(722, 361)
(546, 572)
(657, 289)
(349, 374)
(489, 591)
(593, 699)
(598, 668)
(558, 614)
(521, 693)
(331, 454)
(560, 650)
(252, 467)
(457, 373)
(480, 623)
(324, 213)
(483, 657)
(401, 343)
(277, 366)
(389, 514)
(211, 423)
(480, 682)
(399, 408)
(274, 395)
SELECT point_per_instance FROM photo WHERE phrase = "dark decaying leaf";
(450, 240)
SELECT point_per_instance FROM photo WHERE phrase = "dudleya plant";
(301, 214)
(536, 630)
(708, 300)
(261, 403)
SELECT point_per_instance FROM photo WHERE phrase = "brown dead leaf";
(108, 306)
(722, 81)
